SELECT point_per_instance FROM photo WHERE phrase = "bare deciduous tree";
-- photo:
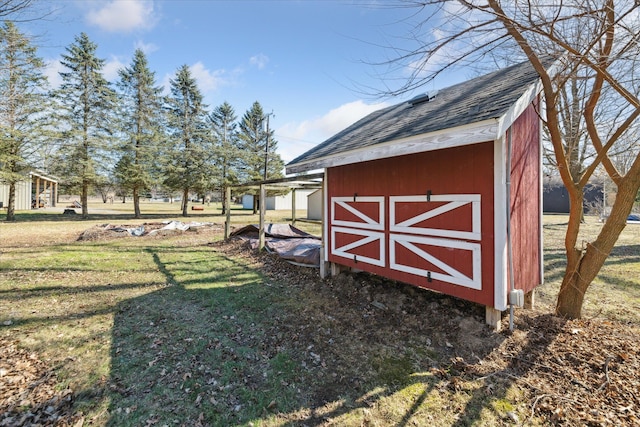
(12, 7)
(591, 95)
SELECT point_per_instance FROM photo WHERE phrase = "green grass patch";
(173, 331)
(394, 371)
(615, 293)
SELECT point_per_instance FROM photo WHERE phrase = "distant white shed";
(282, 202)
(314, 205)
(37, 190)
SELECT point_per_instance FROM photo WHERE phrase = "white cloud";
(145, 47)
(260, 61)
(207, 80)
(165, 84)
(124, 15)
(110, 69)
(296, 138)
(52, 70)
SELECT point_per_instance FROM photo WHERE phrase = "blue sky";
(302, 60)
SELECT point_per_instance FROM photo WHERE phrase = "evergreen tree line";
(95, 135)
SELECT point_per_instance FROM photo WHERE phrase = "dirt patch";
(148, 230)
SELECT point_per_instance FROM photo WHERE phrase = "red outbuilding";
(443, 192)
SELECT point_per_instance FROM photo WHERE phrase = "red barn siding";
(467, 170)
(526, 200)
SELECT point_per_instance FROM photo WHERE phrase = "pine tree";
(224, 127)
(256, 143)
(141, 127)
(86, 106)
(22, 101)
(187, 167)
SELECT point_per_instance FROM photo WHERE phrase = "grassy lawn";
(178, 330)
(615, 293)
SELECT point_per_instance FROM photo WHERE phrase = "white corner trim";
(325, 216)
(499, 224)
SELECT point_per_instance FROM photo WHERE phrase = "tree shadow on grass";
(624, 254)
(231, 347)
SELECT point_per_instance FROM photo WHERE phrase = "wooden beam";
(530, 299)
(293, 207)
(283, 180)
(493, 318)
(38, 193)
(336, 269)
(325, 268)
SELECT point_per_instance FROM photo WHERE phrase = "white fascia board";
(474, 133)
(508, 118)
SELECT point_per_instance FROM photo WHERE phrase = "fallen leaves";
(589, 378)
(582, 372)
(29, 394)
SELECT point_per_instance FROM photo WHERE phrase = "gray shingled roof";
(482, 98)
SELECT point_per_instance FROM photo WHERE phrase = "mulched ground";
(575, 373)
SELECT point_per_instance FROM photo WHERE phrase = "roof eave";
(518, 107)
(41, 174)
(473, 133)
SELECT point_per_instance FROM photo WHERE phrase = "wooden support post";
(530, 299)
(293, 207)
(227, 223)
(37, 193)
(336, 269)
(47, 193)
(325, 268)
(493, 318)
(263, 204)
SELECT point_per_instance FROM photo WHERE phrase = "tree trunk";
(583, 265)
(185, 202)
(84, 199)
(223, 193)
(578, 276)
(136, 202)
(11, 207)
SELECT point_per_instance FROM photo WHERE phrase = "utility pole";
(263, 191)
(266, 149)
